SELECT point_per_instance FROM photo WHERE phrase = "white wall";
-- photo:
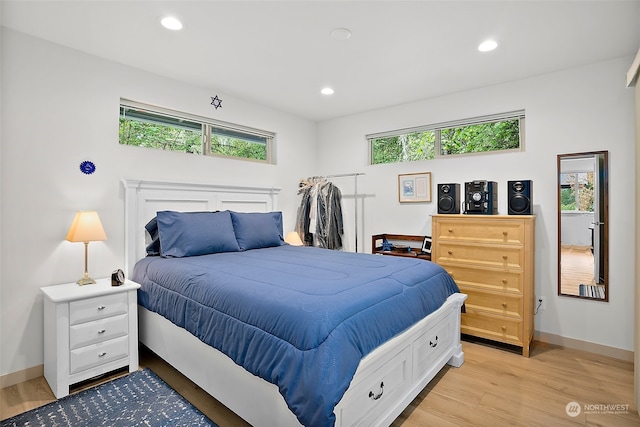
(60, 107)
(582, 109)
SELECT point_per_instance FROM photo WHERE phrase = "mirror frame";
(604, 180)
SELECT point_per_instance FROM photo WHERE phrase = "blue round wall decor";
(87, 167)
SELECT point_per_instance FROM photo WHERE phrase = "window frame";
(207, 124)
(438, 127)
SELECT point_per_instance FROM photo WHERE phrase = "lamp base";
(85, 281)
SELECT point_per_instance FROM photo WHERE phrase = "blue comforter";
(298, 317)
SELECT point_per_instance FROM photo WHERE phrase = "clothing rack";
(355, 175)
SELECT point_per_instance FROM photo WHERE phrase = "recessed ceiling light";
(327, 91)
(340, 34)
(171, 23)
(487, 46)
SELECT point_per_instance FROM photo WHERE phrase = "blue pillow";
(257, 229)
(185, 234)
(153, 248)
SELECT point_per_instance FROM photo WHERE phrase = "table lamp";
(86, 227)
(293, 238)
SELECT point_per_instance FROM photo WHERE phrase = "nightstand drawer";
(97, 308)
(99, 354)
(97, 331)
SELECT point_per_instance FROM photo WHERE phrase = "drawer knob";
(504, 281)
(103, 354)
(504, 304)
(373, 396)
(450, 252)
(504, 328)
(504, 257)
(102, 331)
(504, 233)
(101, 307)
(433, 344)
(450, 230)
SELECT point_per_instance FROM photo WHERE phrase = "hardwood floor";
(577, 268)
(494, 387)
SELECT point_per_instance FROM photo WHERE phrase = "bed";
(353, 349)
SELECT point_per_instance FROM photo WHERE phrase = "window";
(502, 132)
(163, 129)
(577, 191)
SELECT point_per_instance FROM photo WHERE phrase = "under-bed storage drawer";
(365, 402)
(431, 345)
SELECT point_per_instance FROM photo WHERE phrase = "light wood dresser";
(491, 258)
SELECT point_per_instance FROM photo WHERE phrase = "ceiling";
(280, 53)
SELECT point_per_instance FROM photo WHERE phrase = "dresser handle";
(434, 344)
(450, 252)
(101, 307)
(504, 281)
(504, 328)
(504, 304)
(451, 230)
(102, 331)
(504, 233)
(379, 395)
(504, 257)
(103, 354)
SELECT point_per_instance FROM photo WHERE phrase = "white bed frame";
(386, 380)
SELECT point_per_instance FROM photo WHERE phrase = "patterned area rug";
(139, 399)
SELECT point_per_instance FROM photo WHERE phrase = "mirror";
(583, 218)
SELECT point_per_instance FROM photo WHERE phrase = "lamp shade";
(293, 238)
(86, 227)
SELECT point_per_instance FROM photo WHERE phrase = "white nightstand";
(88, 331)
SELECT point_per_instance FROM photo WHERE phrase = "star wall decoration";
(216, 102)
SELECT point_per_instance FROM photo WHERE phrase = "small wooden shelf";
(412, 249)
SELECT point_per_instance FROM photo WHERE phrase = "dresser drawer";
(96, 331)
(501, 304)
(97, 308)
(99, 354)
(366, 401)
(497, 280)
(497, 328)
(480, 255)
(431, 345)
(468, 229)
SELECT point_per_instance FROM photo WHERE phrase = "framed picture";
(426, 245)
(414, 187)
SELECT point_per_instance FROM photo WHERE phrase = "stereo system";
(481, 197)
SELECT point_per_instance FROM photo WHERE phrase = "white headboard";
(143, 198)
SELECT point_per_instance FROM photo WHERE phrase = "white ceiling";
(280, 54)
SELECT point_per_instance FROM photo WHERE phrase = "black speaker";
(448, 198)
(481, 197)
(520, 201)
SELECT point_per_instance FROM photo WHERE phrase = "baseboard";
(603, 350)
(21, 376)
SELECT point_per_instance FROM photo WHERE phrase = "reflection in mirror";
(583, 213)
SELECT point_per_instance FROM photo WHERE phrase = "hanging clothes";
(319, 219)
